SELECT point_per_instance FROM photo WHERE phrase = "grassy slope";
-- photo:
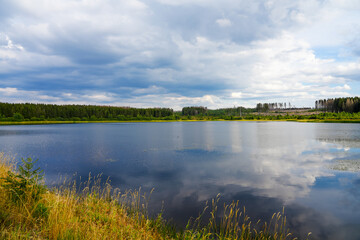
(69, 216)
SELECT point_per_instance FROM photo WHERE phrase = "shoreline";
(184, 120)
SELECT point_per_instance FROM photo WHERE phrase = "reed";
(94, 210)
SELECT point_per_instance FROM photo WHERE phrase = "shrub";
(75, 119)
(26, 188)
(18, 117)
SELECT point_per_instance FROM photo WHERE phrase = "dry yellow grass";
(70, 216)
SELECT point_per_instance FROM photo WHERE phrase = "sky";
(176, 53)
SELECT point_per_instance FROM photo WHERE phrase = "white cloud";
(223, 22)
(344, 87)
(236, 94)
(8, 91)
(282, 66)
(5, 42)
(14, 57)
(15, 95)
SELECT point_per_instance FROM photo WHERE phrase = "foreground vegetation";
(29, 210)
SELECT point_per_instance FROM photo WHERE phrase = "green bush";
(27, 188)
(18, 117)
(93, 118)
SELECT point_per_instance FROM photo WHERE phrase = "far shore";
(185, 120)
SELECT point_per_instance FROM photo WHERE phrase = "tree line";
(346, 104)
(264, 107)
(51, 112)
(31, 111)
(204, 111)
(194, 111)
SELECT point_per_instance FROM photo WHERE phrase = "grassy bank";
(302, 116)
(329, 120)
(29, 210)
(189, 120)
(103, 121)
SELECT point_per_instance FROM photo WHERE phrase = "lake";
(312, 169)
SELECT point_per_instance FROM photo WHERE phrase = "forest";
(264, 107)
(41, 112)
(204, 111)
(51, 112)
(348, 104)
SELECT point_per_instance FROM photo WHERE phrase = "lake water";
(310, 168)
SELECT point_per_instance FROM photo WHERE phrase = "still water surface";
(264, 165)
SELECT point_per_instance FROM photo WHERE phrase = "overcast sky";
(176, 53)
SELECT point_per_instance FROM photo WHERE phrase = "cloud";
(15, 95)
(5, 42)
(223, 22)
(128, 51)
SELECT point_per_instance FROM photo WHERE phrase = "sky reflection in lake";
(265, 165)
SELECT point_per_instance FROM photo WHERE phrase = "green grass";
(326, 120)
(191, 120)
(29, 210)
(102, 121)
(327, 117)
